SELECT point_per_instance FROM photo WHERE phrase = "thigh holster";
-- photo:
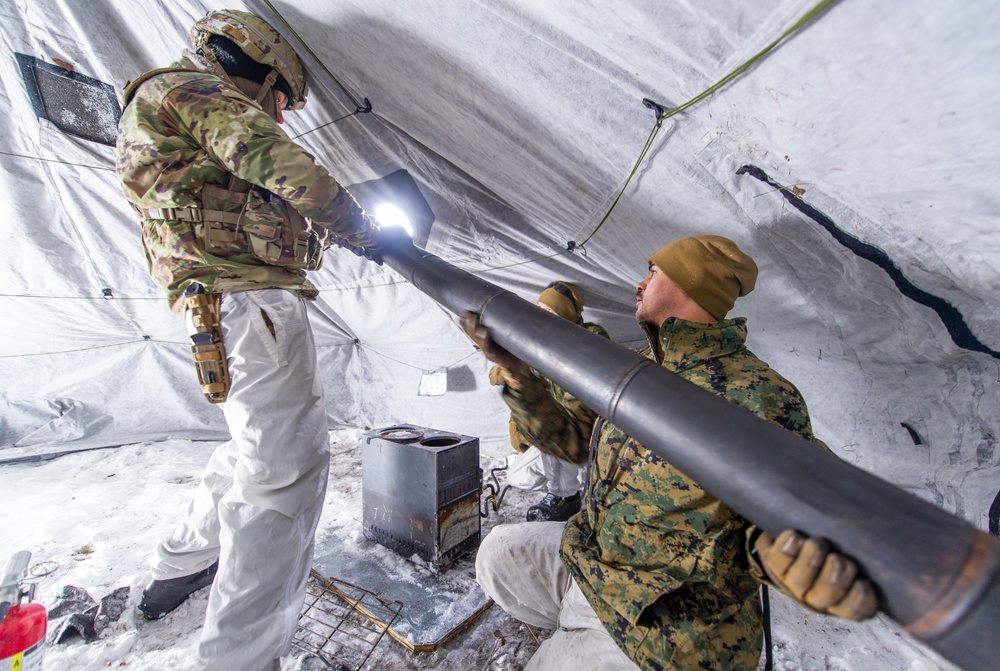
(205, 328)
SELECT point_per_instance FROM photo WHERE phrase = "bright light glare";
(388, 214)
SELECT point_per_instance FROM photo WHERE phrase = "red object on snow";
(22, 631)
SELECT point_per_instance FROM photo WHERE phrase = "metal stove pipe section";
(937, 575)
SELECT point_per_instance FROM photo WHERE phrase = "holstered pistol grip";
(205, 328)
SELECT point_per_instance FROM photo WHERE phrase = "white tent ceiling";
(521, 122)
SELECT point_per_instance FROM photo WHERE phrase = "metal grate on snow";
(341, 624)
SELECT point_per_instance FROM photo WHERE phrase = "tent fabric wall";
(521, 122)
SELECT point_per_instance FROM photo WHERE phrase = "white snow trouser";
(518, 566)
(261, 495)
(535, 471)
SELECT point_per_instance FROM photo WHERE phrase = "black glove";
(389, 237)
(342, 242)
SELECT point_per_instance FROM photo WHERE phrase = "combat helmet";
(260, 42)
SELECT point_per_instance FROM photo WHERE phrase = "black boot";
(554, 508)
(162, 596)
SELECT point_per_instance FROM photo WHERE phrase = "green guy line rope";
(809, 16)
(328, 123)
(663, 116)
(520, 263)
(123, 343)
(84, 297)
(571, 246)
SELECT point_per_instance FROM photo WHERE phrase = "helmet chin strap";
(217, 68)
(209, 56)
(212, 61)
(266, 86)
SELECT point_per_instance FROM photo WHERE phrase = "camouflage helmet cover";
(259, 41)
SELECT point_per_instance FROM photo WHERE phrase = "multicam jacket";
(185, 129)
(661, 560)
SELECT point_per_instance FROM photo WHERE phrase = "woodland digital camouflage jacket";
(661, 560)
(563, 397)
(185, 129)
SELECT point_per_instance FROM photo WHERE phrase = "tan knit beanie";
(565, 299)
(710, 269)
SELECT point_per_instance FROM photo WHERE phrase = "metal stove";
(420, 490)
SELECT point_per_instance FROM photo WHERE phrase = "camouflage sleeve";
(517, 441)
(598, 329)
(248, 143)
(560, 427)
(766, 393)
(551, 418)
(790, 412)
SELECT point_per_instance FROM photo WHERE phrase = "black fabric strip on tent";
(949, 314)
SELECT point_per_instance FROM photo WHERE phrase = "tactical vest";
(243, 218)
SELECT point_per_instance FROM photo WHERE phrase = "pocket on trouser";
(276, 411)
(273, 318)
(576, 612)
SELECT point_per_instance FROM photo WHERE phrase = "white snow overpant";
(261, 495)
(518, 566)
(535, 471)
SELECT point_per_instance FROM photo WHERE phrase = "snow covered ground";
(91, 519)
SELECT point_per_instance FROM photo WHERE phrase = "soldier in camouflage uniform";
(230, 203)
(534, 470)
(654, 571)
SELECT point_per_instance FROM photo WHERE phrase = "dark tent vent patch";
(950, 316)
(74, 103)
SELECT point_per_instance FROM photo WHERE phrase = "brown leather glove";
(808, 571)
(517, 439)
(496, 375)
(511, 369)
